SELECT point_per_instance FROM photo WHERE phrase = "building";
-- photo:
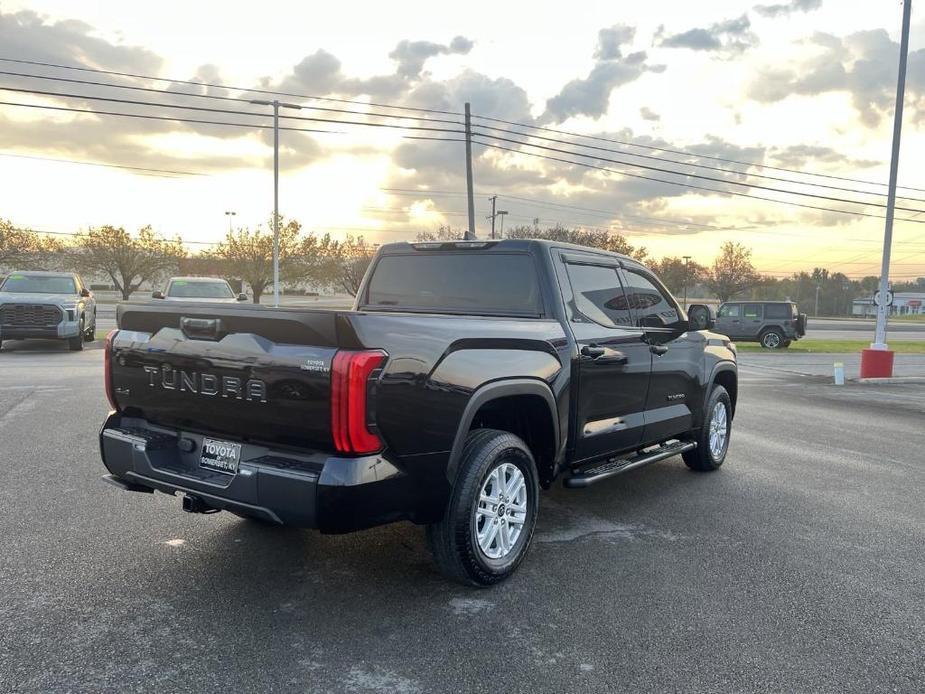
(904, 304)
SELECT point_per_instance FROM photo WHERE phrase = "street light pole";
(276, 104)
(687, 274)
(883, 308)
(501, 214)
(230, 214)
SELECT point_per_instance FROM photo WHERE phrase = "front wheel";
(713, 439)
(489, 521)
(75, 344)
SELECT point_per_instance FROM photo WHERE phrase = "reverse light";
(350, 375)
(107, 369)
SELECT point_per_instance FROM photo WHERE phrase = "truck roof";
(499, 244)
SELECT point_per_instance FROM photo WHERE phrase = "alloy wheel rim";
(719, 430)
(771, 340)
(501, 511)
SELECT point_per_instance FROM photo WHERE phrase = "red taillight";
(107, 370)
(350, 374)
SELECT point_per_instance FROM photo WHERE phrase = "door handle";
(592, 351)
(658, 349)
(603, 355)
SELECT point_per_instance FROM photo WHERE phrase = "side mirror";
(242, 297)
(157, 295)
(85, 292)
(701, 317)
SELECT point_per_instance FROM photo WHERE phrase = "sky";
(805, 85)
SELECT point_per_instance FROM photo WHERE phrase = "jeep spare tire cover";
(698, 316)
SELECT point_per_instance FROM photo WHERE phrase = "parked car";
(467, 376)
(774, 324)
(207, 289)
(47, 305)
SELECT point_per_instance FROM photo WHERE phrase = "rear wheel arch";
(525, 407)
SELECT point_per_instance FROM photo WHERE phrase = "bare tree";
(351, 258)
(605, 240)
(128, 261)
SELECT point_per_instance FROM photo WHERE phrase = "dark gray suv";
(774, 324)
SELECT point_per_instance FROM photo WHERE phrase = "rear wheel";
(489, 521)
(713, 439)
(771, 339)
(90, 333)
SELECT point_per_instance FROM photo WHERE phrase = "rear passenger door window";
(598, 296)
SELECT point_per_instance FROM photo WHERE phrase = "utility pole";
(883, 308)
(230, 214)
(494, 199)
(816, 311)
(276, 103)
(687, 275)
(470, 233)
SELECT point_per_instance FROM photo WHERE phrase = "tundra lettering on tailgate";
(252, 390)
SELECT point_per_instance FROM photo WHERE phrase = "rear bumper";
(304, 489)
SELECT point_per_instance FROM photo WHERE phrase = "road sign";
(889, 298)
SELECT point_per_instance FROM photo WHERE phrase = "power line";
(136, 102)
(218, 97)
(205, 122)
(109, 166)
(215, 85)
(687, 163)
(702, 177)
(693, 186)
(688, 153)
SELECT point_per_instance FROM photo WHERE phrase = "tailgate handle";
(201, 328)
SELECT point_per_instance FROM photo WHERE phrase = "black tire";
(453, 540)
(90, 333)
(75, 344)
(771, 339)
(702, 458)
(1, 345)
(786, 344)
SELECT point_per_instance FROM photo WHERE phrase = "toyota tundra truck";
(467, 376)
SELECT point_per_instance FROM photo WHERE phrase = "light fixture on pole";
(501, 214)
(276, 104)
(230, 214)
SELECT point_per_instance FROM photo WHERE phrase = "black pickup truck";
(467, 376)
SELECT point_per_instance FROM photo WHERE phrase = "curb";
(912, 380)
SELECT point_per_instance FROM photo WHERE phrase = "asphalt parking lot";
(798, 567)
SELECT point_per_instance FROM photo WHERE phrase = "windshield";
(38, 284)
(187, 289)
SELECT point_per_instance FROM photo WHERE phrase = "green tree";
(128, 261)
(21, 247)
(732, 271)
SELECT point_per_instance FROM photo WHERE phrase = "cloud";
(798, 156)
(862, 64)
(590, 96)
(730, 37)
(648, 114)
(411, 55)
(787, 8)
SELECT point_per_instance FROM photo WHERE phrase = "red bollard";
(876, 363)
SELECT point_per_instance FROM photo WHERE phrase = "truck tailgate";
(245, 372)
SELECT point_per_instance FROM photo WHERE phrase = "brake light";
(107, 370)
(350, 374)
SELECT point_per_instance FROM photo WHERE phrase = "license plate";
(221, 456)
